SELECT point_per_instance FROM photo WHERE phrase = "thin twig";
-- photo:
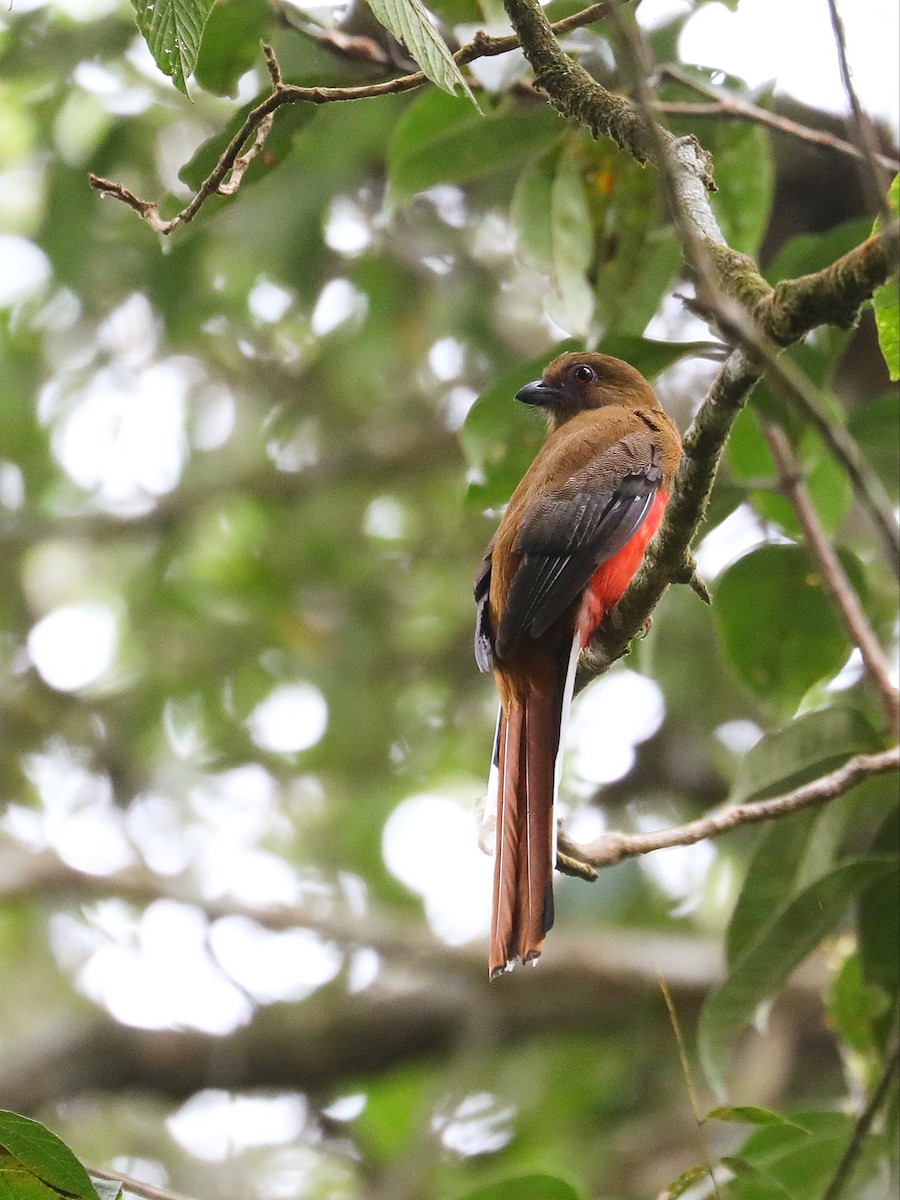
(863, 1125)
(833, 575)
(258, 121)
(734, 107)
(699, 1118)
(612, 848)
(146, 1190)
(876, 181)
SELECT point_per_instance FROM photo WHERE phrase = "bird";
(567, 546)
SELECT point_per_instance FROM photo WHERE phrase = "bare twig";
(258, 122)
(851, 1155)
(733, 107)
(699, 1119)
(612, 848)
(877, 182)
(833, 574)
(146, 1190)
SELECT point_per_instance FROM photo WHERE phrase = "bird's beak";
(539, 393)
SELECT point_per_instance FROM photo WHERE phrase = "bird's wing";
(484, 654)
(566, 534)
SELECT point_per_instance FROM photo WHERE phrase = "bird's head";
(577, 381)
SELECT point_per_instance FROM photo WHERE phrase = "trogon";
(566, 549)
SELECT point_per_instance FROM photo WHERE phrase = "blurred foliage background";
(246, 475)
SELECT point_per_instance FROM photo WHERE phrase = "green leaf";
(876, 427)
(886, 301)
(409, 22)
(767, 963)
(230, 45)
(44, 1155)
(809, 746)
(750, 1114)
(638, 253)
(763, 1185)
(744, 176)
(555, 234)
(878, 915)
(853, 1005)
(440, 139)
(684, 1182)
(288, 122)
(572, 241)
(770, 880)
(526, 1187)
(530, 211)
(751, 463)
(777, 625)
(18, 1183)
(810, 252)
(801, 1162)
(173, 29)
(792, 853)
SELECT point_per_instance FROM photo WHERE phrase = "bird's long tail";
(525, 776)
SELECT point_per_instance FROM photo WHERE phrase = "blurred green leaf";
(777, 624)
(172, 30)
(409, 22)
(572, 241)
(811, 745)
(755, 1184)
(771, 879)
(555, 234)
(766, 964)
(526, 1187)
(751, 463)
(685, 1182)
(887, 301)
(876, 428)
(288, 121)
(18, 1183)
(440, 139)
(750, 1114)
(744, 177)
(45, 1156)
(230, 45)
(853, 1005)
(878, 915)
(809, 252)
(801, 1159)
(531, 211)
(638, 252)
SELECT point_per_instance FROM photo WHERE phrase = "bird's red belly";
(608, 584)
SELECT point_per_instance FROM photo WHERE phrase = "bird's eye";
(582, 373)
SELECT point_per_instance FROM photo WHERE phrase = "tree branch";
(876, 180)
(833, 574)
(611, 848)
(589, 983)
(730, 106)
(851, 1155)
(146, 1190)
